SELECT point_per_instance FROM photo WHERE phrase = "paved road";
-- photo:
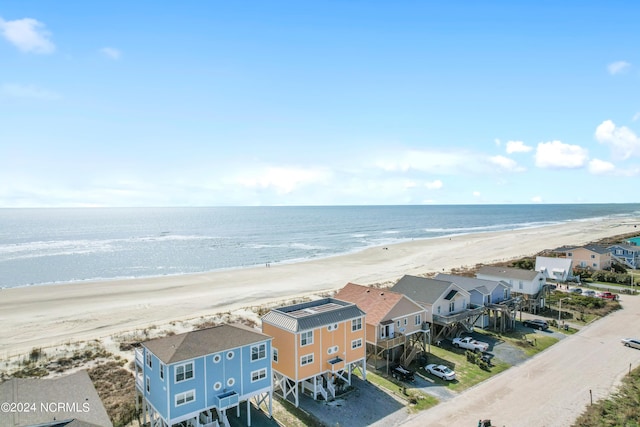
(554, 387)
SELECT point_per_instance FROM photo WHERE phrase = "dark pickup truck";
(402, 373)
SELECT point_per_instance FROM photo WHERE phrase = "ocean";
(49, 246)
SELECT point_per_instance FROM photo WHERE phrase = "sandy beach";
(42, 316)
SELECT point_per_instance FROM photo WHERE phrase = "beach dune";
(42, 316)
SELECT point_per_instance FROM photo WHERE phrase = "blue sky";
(207, 103)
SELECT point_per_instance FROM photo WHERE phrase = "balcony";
(227, 400)
(139, 356)
(139, 382)
(458, 317)
(388, 343)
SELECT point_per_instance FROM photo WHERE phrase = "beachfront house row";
(588, 257)
(554, 268)
(626, 254)
(396, 325)
(194, 378)
(316, 347)
(448, 306)
(494, 295)
(528, 284)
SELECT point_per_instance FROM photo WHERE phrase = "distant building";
(316, 346)
(529, 284)
(627, 255)
(68, 401)
(558, 269)
(588, 257)
(196, 377)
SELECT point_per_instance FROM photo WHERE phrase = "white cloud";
(28, 35)
(13, 90)
(536, 199)
(282, 179)
(434, 185)
(111, 53)
(623, 141)
(636, 116)
(506, 163)
(618, 67)
(556, 154)
(599, 167)
(497, 142)
(426, 161)
(476, 194)
(517, 147)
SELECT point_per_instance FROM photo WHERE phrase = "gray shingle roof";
(193, 344)
(421, 289)
(76, 387)
(469, 283)
(508, 272)
(313, 314)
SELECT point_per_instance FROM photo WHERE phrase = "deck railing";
(388, 343)
(458, 317)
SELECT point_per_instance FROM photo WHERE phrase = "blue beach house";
(196, 377)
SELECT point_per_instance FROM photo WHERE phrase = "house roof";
(76, 387)
(472, 283)
(421, 289)
(626, 247)
(312, 314)
(177, 348)
(507, 272)
(599, 249)
(379, 304)
(560, 265)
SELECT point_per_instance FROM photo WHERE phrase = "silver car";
(631, 342)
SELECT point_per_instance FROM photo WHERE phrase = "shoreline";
(48, 315)
(320, 258)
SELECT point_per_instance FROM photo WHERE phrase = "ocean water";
(46, 246)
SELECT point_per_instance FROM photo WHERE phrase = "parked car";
(631, 342)
(441, 371)
(609, 295)
(401, 373)
(589, 293)
(575, 291)
(470, 344)
(536, 324)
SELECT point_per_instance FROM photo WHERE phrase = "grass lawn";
(531, 343)
(418, 400)
(467, 373)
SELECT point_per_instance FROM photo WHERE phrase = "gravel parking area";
(367, 405)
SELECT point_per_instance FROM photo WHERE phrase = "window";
(332, 350)
(418, 319)
(438, 309)
(186, 397)
(184, 372)
(520, 284)
(231, 381)
(162, 372)
(569, 254)
(452, 306)
(356, 343)
(398, 322)
(356, 324)
(230, 355)
(332, 327)
(217, 358)
(217, 386)
(148, 385)
(274, 352)
(258, 375)
(306, 359)
(506, 294)
(149, 360)
(593, 257)
(258, 352)
(594, 265)
(306, 338)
